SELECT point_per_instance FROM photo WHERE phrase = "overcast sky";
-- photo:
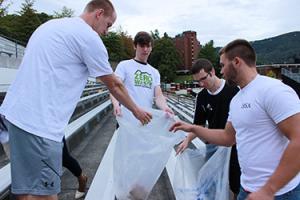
(218, 20)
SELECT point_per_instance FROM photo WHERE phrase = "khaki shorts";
(36, 163)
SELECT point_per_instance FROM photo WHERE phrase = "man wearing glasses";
(212, 106)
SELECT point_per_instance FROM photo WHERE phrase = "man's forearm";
(161, 102)
(121, 94)
(118, 91)
(213, 136)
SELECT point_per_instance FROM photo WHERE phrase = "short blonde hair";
(106, 5)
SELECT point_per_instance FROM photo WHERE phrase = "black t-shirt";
(214, 108)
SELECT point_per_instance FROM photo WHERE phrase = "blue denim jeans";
(291, 195)
(210, 150)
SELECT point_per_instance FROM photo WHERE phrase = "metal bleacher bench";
(182, 107)
(185, 117)
(92, 90)
(5, 52)
(87, 103)
(181, 113)
(5, 181)
(83, 121)
(72, 130)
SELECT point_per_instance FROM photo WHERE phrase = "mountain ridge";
(283, 48)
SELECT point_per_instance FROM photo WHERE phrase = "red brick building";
(188, 47)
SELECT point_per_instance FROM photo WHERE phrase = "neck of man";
(140, 60)
(247, 76)
(86, 17)
(216, 85)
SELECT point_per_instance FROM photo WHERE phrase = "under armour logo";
(246, 105)
(46, 184)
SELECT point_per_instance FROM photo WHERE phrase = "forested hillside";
(280, 49)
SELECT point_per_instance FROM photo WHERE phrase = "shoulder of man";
(149, 65)
(202, 95)
(233, 88)
(124, 62)
(203, 92)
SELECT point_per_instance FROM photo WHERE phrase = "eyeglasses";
(203, 78)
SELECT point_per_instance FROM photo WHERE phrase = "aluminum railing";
(10, 48)
(293, 73)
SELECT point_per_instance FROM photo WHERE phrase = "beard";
(231, 75)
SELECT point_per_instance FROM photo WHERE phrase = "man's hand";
(182, 146)
(180, 125)
(143, 116)
(260, 195)
(117, 111)
(169, 112)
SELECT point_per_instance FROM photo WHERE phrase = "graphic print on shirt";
(246, 105)
(143, 79)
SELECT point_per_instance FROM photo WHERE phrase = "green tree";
(44, 17)
(165, 58)
(3, 7)
(8, 25)
(155, 34)
(127, 44)
(113, 43)
(209, 52)
(27, 22)
(65, 12)
(119, 45)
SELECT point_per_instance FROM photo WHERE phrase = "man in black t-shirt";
(212, 107)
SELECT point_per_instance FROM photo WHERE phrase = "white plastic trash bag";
(185, 181)
(141, 153)
(212, 178)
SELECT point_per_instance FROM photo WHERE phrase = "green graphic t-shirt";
(140, 81)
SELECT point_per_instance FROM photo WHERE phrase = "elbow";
(228, 141)
(115, 86)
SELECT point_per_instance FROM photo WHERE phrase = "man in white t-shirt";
(60, 56)
(264, 123)
(140, 78)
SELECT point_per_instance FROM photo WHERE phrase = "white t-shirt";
(140, 81)
(59, 57)
(254, 113)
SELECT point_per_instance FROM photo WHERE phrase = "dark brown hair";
(142, 38)
(240, 48)
(200, 64)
